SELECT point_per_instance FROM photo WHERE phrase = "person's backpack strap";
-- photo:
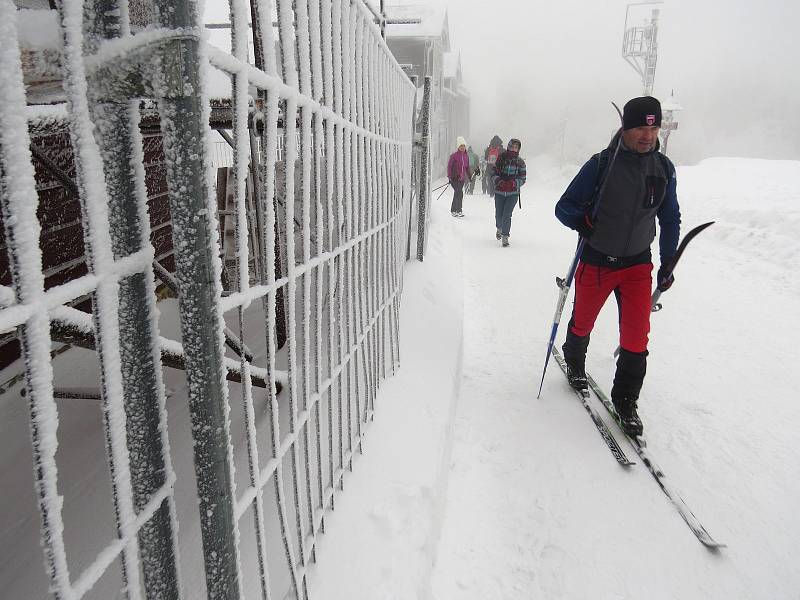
(602, 165)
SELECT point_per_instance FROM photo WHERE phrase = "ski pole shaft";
(442, 192)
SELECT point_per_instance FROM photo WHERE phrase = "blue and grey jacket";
(509, 167)
(640, 188)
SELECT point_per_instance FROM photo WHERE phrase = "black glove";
(664, 280)
(585, 227)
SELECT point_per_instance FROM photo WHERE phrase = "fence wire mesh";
(294, 266)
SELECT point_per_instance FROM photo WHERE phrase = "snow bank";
(756, 206)
(381, 543)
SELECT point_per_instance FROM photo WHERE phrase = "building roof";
(434, 19)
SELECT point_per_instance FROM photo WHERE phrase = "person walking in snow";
(458, 175)
(490, 155)
(474, 170)
(640, 188)
(509, 176)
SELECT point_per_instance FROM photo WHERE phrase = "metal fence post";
(184, 123)
(116, 124)
(424, 180)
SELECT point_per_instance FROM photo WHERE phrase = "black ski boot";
(631, 369)
(574, 349)
(629, 418)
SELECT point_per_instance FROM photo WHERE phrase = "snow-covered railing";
(330, 231)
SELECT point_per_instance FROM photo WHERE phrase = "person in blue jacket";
(619, 229)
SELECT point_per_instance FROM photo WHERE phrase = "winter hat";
(460, 141)
(514, 141)
(641, 112)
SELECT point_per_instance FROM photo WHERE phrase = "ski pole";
(655, 305)
(440, 187)
(566, 283)
(442, 192)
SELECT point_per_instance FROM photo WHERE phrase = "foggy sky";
(536, 68)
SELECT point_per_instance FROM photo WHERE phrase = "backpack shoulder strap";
(602, 164)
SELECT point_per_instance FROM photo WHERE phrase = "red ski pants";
(632, 287)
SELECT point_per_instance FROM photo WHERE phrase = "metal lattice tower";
(640, 46)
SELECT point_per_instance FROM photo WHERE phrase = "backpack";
(494, 153)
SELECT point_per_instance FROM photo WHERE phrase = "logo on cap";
(651, 119)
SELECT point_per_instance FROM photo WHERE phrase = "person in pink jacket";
(458, 175)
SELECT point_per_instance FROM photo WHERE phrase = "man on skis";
(641, 188)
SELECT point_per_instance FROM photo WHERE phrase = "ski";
(605, 433)
(640, 446)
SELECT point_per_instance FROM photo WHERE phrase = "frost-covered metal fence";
(320, 240)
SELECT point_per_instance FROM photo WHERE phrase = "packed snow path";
(536, 505)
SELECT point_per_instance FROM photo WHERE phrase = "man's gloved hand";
(507, 185)
(664, 281)
(585, 227)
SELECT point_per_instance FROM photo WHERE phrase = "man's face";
(514, 148)
(641, 139)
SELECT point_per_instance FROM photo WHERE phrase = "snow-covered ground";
(470, 487)
(535, 505)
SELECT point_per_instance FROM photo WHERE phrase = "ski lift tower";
(640, 43)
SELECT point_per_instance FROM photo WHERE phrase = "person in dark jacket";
(619, 229)
(490, 155)
(509, 176)
(458, 175)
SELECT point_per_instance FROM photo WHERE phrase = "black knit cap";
(641, 112)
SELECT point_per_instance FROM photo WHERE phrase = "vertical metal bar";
(363, 318)
(246, 155)
(184, 126)
(347, 18)
(290, 72)
(19, 203)
(340, 292)
(303, 42)
(329, 97)
(414, 171)
(425, 170)
(101, 263)
(317, 66)
(355, 175)
(145, 404)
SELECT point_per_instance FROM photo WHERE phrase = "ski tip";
(713, 545)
